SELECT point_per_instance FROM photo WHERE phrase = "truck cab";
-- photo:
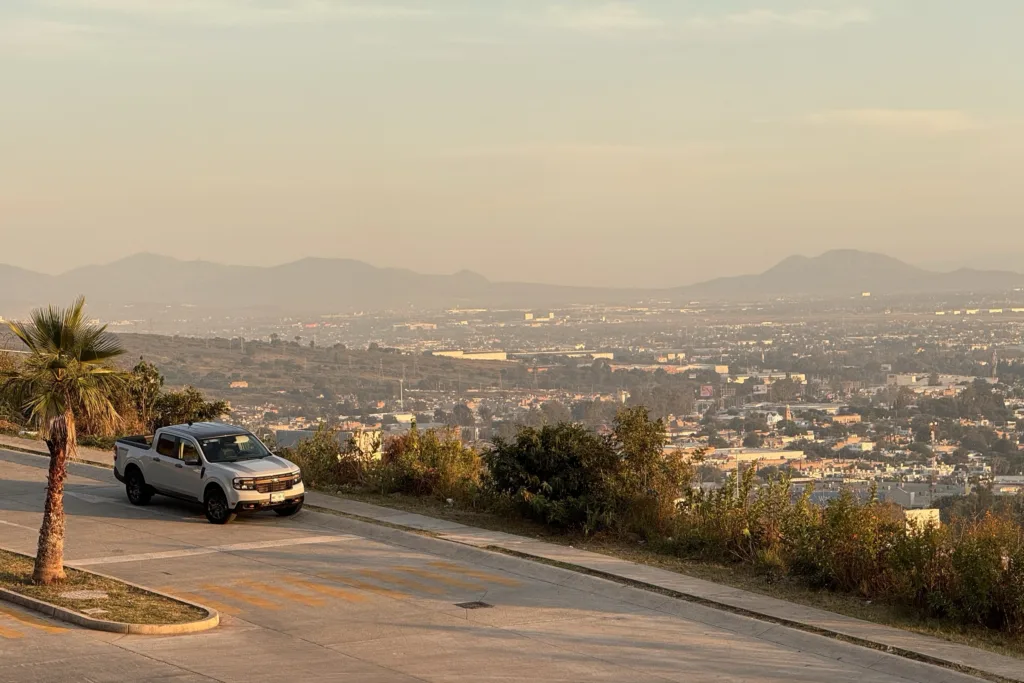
(225, 468)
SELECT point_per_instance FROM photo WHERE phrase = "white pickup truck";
(225, 468)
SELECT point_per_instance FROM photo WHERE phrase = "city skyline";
(645, 144)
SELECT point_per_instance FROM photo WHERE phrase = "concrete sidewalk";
(90, 456)
(893, 640)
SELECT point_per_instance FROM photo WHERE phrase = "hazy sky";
(654, 142)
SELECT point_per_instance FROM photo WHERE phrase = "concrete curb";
(212, 619)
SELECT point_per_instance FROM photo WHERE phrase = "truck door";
(184, 474)
(161, 462)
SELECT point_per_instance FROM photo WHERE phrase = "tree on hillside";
(143, 389)
(784, 390)
(187, 405)
(486, 416)
(8, 411)
(555, 412)
(463, 416)
(66, 377)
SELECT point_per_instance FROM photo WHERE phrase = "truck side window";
(167, 445)
(189, 454)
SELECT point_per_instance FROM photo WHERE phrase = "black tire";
(139, 493)
(216, 506)
(289, 511)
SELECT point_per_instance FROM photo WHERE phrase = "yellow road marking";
(400, 581)
(283, 593)
(449, 580)
(202, 600)
(483, 576)
(10, 633)
(362, 585)
(326, 590)
(32, 622)
(232, 594)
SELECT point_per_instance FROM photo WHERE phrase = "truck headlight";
(296, 478)
(244, 484)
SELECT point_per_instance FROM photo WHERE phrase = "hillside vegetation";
(968, 573)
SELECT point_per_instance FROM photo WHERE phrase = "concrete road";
(327, 598)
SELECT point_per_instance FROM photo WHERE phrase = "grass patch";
(125, 604)
(736, 576)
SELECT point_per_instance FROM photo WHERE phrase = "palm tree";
(67, 375)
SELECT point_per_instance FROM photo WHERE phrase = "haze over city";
(404, 341)
(644, 144)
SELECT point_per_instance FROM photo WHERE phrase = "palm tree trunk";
(62, 441)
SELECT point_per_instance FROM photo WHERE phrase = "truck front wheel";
(135, 486)
(216, 504)
(289, 510)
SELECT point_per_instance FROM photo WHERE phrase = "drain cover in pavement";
(84, 595)
(473, 605)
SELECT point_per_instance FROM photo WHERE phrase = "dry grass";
(124, 603)
(736, 576)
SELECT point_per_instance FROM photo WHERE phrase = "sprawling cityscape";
(920, 400)
(561, 341)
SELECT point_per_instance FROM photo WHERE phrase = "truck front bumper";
(257, 505)
(246, 501)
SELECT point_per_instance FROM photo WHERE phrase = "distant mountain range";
(342, 285)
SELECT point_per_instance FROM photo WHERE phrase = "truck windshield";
(233, 448)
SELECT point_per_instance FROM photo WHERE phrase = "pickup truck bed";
(145, 440)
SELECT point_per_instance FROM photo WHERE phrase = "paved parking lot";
(329, 598)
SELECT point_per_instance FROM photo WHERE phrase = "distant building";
(240, 385)
(851, 419)
(1007, 485)
(473, 355)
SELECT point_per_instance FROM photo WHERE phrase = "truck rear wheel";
(135, 486)
(217, 510)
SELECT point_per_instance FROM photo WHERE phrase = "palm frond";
(67, 368)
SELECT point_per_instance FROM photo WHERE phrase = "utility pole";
(401, 394)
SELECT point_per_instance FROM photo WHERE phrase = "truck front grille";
(276, 484)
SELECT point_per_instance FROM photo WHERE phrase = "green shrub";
(569, 477)
(320, 458)
(431, 463)
(8, 428)
(558, 474)
(852, 544)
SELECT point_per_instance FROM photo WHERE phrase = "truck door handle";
(155, 459)
(179, 466)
